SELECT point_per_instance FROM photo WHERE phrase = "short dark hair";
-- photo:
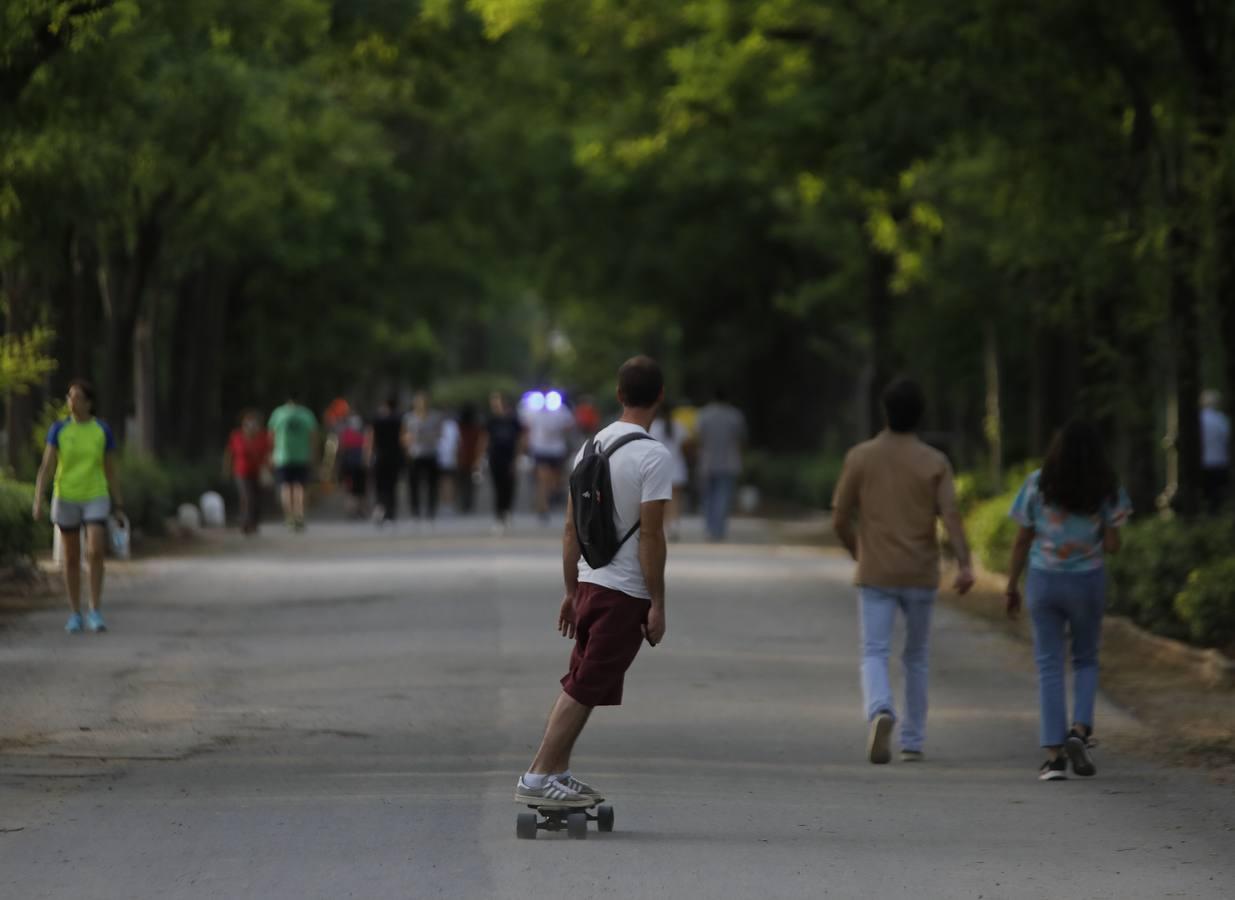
(640, 382)
(85, 387)
(903, 404)
(1076, 475)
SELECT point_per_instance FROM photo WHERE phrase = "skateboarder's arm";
(652, 550)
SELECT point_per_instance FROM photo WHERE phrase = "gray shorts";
(69, 515)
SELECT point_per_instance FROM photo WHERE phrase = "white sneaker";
(582, 788)
(551, 793)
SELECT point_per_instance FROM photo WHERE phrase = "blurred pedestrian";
(351, 466)
(897, 486)
(549, 424)
(448, 460)
(245, 460)
(81, 451)
(422, 432)
(503, 443)
(673, 436)
(1215, 452)
(294, 429)
(467, 462)
(384, 454)
(721, 434)
(1070, 513)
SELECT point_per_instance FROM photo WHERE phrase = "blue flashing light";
(553, 401)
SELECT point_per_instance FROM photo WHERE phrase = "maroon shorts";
(608, 635)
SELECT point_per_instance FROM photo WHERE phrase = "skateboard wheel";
(604, 818)
(576, 825)
(525, 826)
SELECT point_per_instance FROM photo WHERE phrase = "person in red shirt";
(246, 457)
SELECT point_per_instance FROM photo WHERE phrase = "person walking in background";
(294, 429)
(247, 456)
(1215, 452)
(1069, 513)
(448, 460)
(721, 434)
(897, 487)
(422, 431)
(673, 436)
(351, 465)
(468, 458)
(548, 424)
(384, 455)
(502, 444)
(81, 451)
(610, 609)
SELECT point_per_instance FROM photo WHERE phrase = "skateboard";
(573, 820)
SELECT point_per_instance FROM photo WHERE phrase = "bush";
(153, 489)
(805, 482)
(1157, 558)
(20, 536)
(1206, 605)
(992, 532)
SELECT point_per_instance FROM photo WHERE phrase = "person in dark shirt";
(384, 452)
(503, 442)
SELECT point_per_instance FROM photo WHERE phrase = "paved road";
(344, 715)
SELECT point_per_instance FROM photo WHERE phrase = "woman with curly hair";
(1070, 513)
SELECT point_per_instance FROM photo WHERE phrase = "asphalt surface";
(344, 714)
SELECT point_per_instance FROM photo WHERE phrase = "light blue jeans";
(1071, 601)
(717, 500)
(877, 607)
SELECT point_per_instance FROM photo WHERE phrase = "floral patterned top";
(1064, 541)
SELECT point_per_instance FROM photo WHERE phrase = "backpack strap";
(626, 439)
(614, 448)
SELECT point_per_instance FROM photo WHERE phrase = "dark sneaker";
(1077, 747)
(551, 793)
(1054, 769)
(878, 742)
(912, 756)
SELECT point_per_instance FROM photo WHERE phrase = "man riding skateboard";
(609, 609)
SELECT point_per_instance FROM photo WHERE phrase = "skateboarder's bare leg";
(566, 722)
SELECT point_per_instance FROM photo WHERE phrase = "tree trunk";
(880, 267)
(1185, 352)
(992, 424)
(144, 393)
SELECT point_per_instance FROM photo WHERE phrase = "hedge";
(20, 536)
(802, 482)
(992, 532)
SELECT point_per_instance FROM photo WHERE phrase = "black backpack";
(591, 495)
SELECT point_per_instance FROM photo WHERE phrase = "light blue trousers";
(877, 608)
(1061, 602)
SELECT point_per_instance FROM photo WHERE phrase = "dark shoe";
(1054, 769)
(1077, 748)
(879, 740)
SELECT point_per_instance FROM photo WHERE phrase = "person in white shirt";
(609, 611)
(673, 436)
(1215, 451)
(548, 425)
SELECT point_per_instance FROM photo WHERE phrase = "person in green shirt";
(295, 435)
(81, 451)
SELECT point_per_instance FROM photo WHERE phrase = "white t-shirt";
(641, 472)
(547, 430)
(659, 430)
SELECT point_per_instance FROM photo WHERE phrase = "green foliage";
(1154, 566)
(992, 532)
(154, 489)
(20, 536)
(1206, 605)
(798, 481)
(25, 360)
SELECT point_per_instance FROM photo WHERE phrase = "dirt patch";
(1190, 720)
(26, 590)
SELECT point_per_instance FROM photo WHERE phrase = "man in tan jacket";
(897, 486)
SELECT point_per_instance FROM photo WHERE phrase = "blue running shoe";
(73, 625)
(94, 621)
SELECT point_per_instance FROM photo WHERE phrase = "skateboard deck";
(571, 819)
